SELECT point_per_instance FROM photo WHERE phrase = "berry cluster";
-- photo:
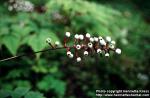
(20, 5)
(86, 45)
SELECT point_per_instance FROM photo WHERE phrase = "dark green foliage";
(50, 82)
(52, 73)
(19, 93)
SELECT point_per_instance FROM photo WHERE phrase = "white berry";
(78, 47)
(78, 59)
(107, 54)
(108, 38)
(111, 46)
(57, 43)
(68, 34)
(88, 35)
(90, 45)
(113, 42)
(76, 36)
(102, 42)
(86, 53)
(100, 37)
(71, 56)
(81, 37)
(99, 51)
(118, 51)
(95, 39)
(68, 53)
(91, 39)
(48, 40)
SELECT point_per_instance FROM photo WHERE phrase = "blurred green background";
(51, 74)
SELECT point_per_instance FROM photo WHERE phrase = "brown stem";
(21, 55)
(65, 40)
(51, 45)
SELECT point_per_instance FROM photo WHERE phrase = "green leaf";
(19, 92)
(11, 42)
(37, 41)
(13, 74)
(21, 31)
(34, 95)
(50, 82)
(22, 83)
(4, 93)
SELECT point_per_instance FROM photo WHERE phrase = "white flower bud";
(108, 38)
(90, 45)
(88, 35)
(118, 51)
(57, 43)
(81, 37)
(107, 54)
(86, 53)
(69, 53)
(68, 34)
(99, 51)
(78, 59)
(113, 42)
(95, 39)
(70, 56)
(76, 36)
(78, 47)
(48, 40)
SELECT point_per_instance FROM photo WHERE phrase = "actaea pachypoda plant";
(86, 45)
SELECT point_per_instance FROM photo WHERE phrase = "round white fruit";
(76, 36)
(78, 59)
(48, 40)
(107, 54)
(81, 37)
(90, 45)
(99, 51)
(88, 35)
(78, 47)
(86, 53)
(68, 34)
(108, 38)
(57, 43)
(118, 51)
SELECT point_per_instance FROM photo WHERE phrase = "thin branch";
(24, 54)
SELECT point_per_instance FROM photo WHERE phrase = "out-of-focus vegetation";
(51, 74)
